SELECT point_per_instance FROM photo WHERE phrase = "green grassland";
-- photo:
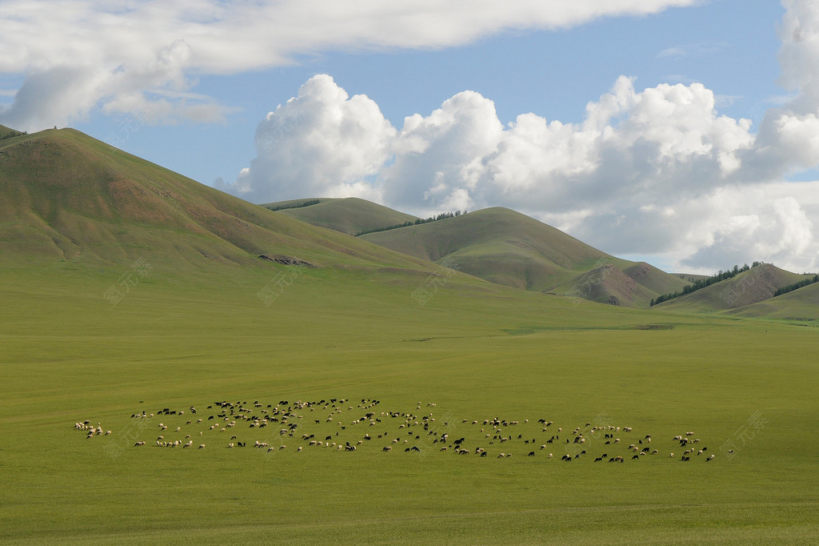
(474, 349)
(126, 288)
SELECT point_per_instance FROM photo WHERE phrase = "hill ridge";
(66, 195)
(756, 284)
(507, 247)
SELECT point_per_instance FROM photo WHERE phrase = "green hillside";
(506, 247)
(620, 284)
(5, 132)
(64, 195)
(757, 284)
(799, 305)
(350, 215)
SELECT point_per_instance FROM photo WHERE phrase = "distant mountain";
(755, 285)
(65, 195)
(350, 215)
(506, 247)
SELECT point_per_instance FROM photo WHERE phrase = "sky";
(680, 132)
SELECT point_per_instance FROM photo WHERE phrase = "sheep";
(201, 446)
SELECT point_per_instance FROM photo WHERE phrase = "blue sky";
(682, 132)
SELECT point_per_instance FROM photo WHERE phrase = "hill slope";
(68, 196)
(506, 247)
(801, 304)
(6, 132)
(620, 283)
(757, 284)
(350, 215)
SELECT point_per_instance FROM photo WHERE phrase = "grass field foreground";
(476, 351)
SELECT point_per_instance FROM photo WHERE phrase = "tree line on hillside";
(417, 221)
(11, 134)
(702, 283)
(298, 205)
(796, 285)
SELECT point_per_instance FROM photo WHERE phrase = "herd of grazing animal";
(341, 425)
(91, 430)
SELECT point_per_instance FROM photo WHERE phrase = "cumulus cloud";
(789, 134)
(657, 171)
(439, 158)
(320, 143)
(131, 50)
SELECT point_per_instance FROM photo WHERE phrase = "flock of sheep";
(338, 424)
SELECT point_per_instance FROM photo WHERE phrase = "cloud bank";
(143, 58)
(656, 171)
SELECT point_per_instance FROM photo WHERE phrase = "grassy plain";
(476, 350)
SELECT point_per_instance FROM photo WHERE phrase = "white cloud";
(656, 170)
(320, 143)
(672, 52)
(653, 171)
(788, 139)
(130, 48)
(439, 158)
(697, 49)
(767, 222)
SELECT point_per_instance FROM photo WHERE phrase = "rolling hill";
(510, 248)
(755, 285)
(6, 132)
(67, 196)
(350, 215)
(619, 284)
(799, 305)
